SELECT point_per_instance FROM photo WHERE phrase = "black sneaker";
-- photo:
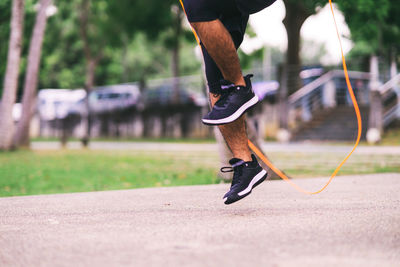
(234, 101)
(246, 176)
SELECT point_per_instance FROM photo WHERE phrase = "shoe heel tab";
(247, 79)
(254, 159)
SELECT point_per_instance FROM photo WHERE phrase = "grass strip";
(63, 171)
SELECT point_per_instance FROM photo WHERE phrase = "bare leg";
(221, 48)
(235, 135)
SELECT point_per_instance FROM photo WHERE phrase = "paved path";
(355, 222)
(268, 147)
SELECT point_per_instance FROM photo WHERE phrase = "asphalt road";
(355, 222)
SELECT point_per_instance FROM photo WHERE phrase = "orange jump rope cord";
(356, 108)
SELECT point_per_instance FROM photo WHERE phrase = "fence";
(385, 103)
(326, 92)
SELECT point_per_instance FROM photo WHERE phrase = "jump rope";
(356, 109)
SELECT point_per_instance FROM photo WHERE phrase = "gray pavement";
(355, 222)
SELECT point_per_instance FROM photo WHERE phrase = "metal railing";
(390, 95)
(327, 91)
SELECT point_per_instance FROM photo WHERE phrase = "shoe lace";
(237, 173)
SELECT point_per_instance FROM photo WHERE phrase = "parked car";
(115, 97)
(164, 96)
(59, 103)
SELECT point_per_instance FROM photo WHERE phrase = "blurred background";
(101, 95)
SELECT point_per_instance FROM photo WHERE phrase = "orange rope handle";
(356, 109)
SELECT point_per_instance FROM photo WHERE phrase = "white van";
(59, 103)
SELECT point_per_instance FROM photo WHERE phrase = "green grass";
(140, 140)
(305, 165)
(391, 137)
(44, 172)
(62, 171)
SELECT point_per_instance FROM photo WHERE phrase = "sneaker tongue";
(236, 162)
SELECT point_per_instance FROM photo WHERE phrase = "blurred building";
(321, 109)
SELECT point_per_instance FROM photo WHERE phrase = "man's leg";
(221, 57)
(235, 135)
(223, 52)
(247, 172)
(219, 44)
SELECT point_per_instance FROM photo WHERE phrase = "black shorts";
(234, 15)
(208, 10)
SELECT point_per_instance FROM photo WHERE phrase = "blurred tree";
(104, 23)
(175, 41)
(5, 15)
(297, 11)
(374, 27)
(5, 19)
(10, 84)
(366, 19)
(22, 134)
(137, 49)
(117, 33)
(391, 33)
(391, 28)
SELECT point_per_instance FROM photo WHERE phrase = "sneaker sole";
(258, 179)
(235, 115)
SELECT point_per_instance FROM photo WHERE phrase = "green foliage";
(391, 28)
(131, 35)
(247, 60)
(374, 25)
(149, 16)
(365, 19)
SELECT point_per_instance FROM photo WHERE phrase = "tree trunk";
(283, 98)
(91, 64)
(124, 59)
(30, 86)
(296, 14)
(175, 54)
(10, 84)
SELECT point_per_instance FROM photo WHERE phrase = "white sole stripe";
(235, 115)
(256, 178)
